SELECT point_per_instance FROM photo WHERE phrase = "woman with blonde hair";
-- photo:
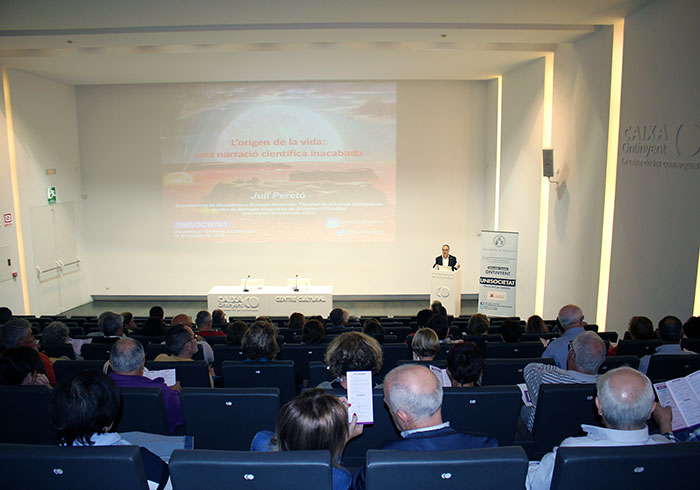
(425, 345)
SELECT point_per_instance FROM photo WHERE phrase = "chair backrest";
(637, 348)
(96, 351)
(373, 435)
(24, 415)
(213, 340)
(481, 341)
(226, 353)
(143, 410)
(490, 468)
(691, 344)
(228, 418)
(272, 374)
(58, 350)
(609, 336)
(533, 337)
(28, 467)
(612, 362)
(318, 373)
(441, 364)
(401, 332)
(66, 369)
(653, 466)
(291, 470)
(514, 350)
(489, 410)
(391, 354)
(508, 371)
(561, 409)
(188, 373)
(665, 367)
(301, 355)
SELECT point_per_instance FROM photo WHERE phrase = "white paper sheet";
(360, 396)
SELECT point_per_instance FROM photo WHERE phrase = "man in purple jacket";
(128, 363)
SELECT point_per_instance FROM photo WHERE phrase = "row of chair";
(576, 468)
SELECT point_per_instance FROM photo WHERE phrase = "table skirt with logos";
(270, 300)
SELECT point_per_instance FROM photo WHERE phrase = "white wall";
(657, 211)
(581, 104)
(46, 137)
(440, 175)
(521, 172)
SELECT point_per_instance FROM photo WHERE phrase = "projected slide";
(273, 162)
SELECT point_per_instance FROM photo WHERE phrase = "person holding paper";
(446, 259)
(625, 401)
(128, 360)
(351, 351)
(313, 420)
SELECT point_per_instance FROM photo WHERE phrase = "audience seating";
(29, 467)
(637, 348)
(66, 369)
(608, 336)
(58, 350)
(508, 371)
(481, 341)
(24, 415)
(639, 467)
(96, 351)
(575, 401)
(391, 354)
(76, 331)
(691, 344)
(301, 355)
(272, 374)
(228, 418)
(441, 364)
(153, 350)
(490, 468)
(226, 353)
(143, 410)
(612, 362)
(514, 350)
(489, 410)
(666, 367)
(401, 332)
(318, 373)
(533, 337)
(188, 373)
(213, 340)
(291, 470)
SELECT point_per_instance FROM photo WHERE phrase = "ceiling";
(156, 41)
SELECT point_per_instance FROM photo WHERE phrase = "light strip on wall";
(15, 189)
(499, 115)
(547, 104)
(610, 174)
(696, 304)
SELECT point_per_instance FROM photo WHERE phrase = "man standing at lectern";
(446, 259)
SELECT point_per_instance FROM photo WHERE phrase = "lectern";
(446, 287)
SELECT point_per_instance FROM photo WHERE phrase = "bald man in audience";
(625, 401)
(128, 362)
(413, 395)
(586, 354)
(570, 319)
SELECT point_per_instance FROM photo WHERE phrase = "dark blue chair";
(612, 362)
(24, 415)
(143, 410)
(272, 374)
(507, 371)
(666, 367)
(188, 373)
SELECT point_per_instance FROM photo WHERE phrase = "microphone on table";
(296, 284)
(245, 284)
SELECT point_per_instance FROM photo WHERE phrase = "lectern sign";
(499, 267)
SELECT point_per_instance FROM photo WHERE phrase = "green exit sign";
(51, 195)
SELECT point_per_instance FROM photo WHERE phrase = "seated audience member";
(374, 329)
(186, 320)
(339, 318)
(351, 351)
(83, 410)
(296, 321)
(464, 365)
(182, 344)
(425, 345)
(585, 357)
(570, 319)
(18, 333)
(128, 362)
(157, 312)
(5, 315)
(313, 420)
(111, 326)
(691, 328)
(422, 317)
(259, 343)
(478, 324)
(22, 366)
(438, 323)
(57, 333)
(625, 401)
(129, 323)
(438, 309)
(511, 330)
(218, 318)
(639, 328)
(205, 323)
(670, 332)
(414, 397)
(235, 331)
(154, 327)
(535, 324)
(312, 332)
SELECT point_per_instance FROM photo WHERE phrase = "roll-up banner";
(499, 268)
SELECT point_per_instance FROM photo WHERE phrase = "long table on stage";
(270, 300)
